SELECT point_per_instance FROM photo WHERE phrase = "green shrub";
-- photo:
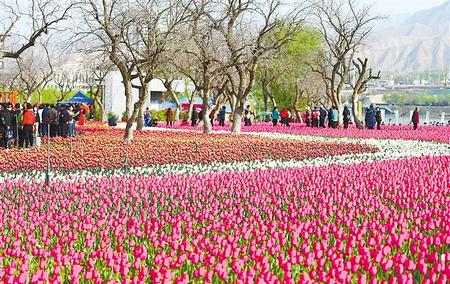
(112, 115)
(184, 115)
(160, 115)
(124, 116)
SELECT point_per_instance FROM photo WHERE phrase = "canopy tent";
(79, 98)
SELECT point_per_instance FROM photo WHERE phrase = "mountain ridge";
(419, 43)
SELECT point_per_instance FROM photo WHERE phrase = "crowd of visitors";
(22, 125)
(318, 117)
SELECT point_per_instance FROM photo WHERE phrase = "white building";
(114, 93)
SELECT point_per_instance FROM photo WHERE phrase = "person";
(212, 115)
(288, 119)
(194, 117)
(323, 115)
(346, 117)
(415, 118)
(81, 119)
(335, 117)
(222, 115)
(28, 121)
(200, 116)
(7, 125)
(275, 116)
(64, 120)
(366, 117)
(53, 120)
(284, 116)
(308, 117)
(15, 125)
(19, 117)
(147, 118)
(71, 122)
(372, 120)
(378, 118)
(3, 126)
(370, 117)
(330, 117)
(247, 116)
(169, 117)
(315, 117)
(45, 120)
(38, 108)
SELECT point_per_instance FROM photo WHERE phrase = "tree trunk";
(102, 108)
(207, 127)
(338, 105)
(140, 118)
(141, 113)
(237, 118)
(268, 94)
(266, 98)
(191, 105)
(177, 103)
(355, 113)
(128, 136)
(129, 98)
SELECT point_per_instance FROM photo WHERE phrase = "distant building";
(114, 93)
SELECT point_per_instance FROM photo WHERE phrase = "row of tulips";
(423, 133)
(103, 148)
(389, 150)
(371, 222)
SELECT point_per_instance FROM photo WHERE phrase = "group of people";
(320, 116)
(197, 117)
(21, 125)
(284, 116)
(373, 116)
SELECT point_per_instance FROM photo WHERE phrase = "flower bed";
(423, 133)
(102, 148)
(381, 220)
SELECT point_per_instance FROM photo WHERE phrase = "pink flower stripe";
(423, 133)
(371, 222)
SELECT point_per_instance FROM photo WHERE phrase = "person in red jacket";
(415, 118)
(284, 116)
(28, 121)
(81, 119)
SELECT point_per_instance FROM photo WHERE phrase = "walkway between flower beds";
(389, 150)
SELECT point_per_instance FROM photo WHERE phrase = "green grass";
(49, 96)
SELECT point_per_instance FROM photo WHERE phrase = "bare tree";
(65, 82)
(344, 25)
(359, 85)
(104, 27)
(33, 73)
(39, 16)
(202, 54)
(252, 31)
(97, 66)
(136, 35)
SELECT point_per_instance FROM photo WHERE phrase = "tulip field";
(262, 207)
(405, 132)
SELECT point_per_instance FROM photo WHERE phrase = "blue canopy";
(79, 98)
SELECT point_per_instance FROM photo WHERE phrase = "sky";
(395, 7)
